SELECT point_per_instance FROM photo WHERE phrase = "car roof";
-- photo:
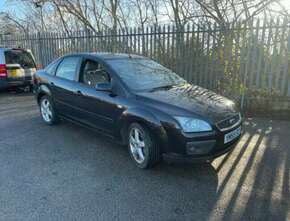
(109, 55)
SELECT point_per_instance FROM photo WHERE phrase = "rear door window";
(20, 57)
(50, 69)
(68, 68)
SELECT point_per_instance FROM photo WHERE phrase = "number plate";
(17, 73)
(232, 135)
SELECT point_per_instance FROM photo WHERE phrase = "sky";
(6, 5)
(1, 5)
(9, 5)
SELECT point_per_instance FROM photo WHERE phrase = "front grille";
(229, 122)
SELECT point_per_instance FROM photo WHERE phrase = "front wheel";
(47, 111)
(142, 146)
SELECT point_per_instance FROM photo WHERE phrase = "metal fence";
(248, 60)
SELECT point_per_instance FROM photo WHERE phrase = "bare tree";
(97, 15)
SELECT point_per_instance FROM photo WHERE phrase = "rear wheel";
(142, 146)
(47, 111)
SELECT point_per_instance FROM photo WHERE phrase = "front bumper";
(196, 158)
(208, 145)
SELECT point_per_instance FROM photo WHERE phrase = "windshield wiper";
(163, 87)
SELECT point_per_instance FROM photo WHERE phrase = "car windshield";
(144, 74)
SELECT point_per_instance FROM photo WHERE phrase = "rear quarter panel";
(41, 86)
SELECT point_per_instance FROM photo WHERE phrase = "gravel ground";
(66, 172)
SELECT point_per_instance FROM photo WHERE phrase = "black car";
(139, 103)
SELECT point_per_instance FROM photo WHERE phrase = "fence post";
(1, 40)
(247, 56)
(286, 74)
(40, 49)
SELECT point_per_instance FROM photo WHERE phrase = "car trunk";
(20, 65)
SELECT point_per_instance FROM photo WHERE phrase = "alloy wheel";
(46, 110)
(137, 145)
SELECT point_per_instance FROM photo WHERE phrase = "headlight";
(190, 125)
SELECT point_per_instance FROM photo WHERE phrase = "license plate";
(17, 73)
(232, 135)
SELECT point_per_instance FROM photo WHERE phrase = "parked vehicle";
(17, 67)
(139, 103)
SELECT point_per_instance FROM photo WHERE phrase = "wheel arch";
(43, 90)
(144, 118)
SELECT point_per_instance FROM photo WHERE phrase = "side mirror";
(104, 86)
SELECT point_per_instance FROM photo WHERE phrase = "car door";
(97, 109)
(63, 86)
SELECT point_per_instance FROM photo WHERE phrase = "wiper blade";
(163, 87)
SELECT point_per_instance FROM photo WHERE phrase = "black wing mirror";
(104, 86)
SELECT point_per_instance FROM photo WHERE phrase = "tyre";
(47, 111)
(142, 146)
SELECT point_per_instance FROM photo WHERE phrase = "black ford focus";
(139, 103)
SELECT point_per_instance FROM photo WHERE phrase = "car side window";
(68, 68)
(93, 73)
(50, 69)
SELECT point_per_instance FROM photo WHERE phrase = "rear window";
(23, 58)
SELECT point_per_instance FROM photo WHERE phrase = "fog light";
(200, 147)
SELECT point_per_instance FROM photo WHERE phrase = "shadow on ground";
(254, 178)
